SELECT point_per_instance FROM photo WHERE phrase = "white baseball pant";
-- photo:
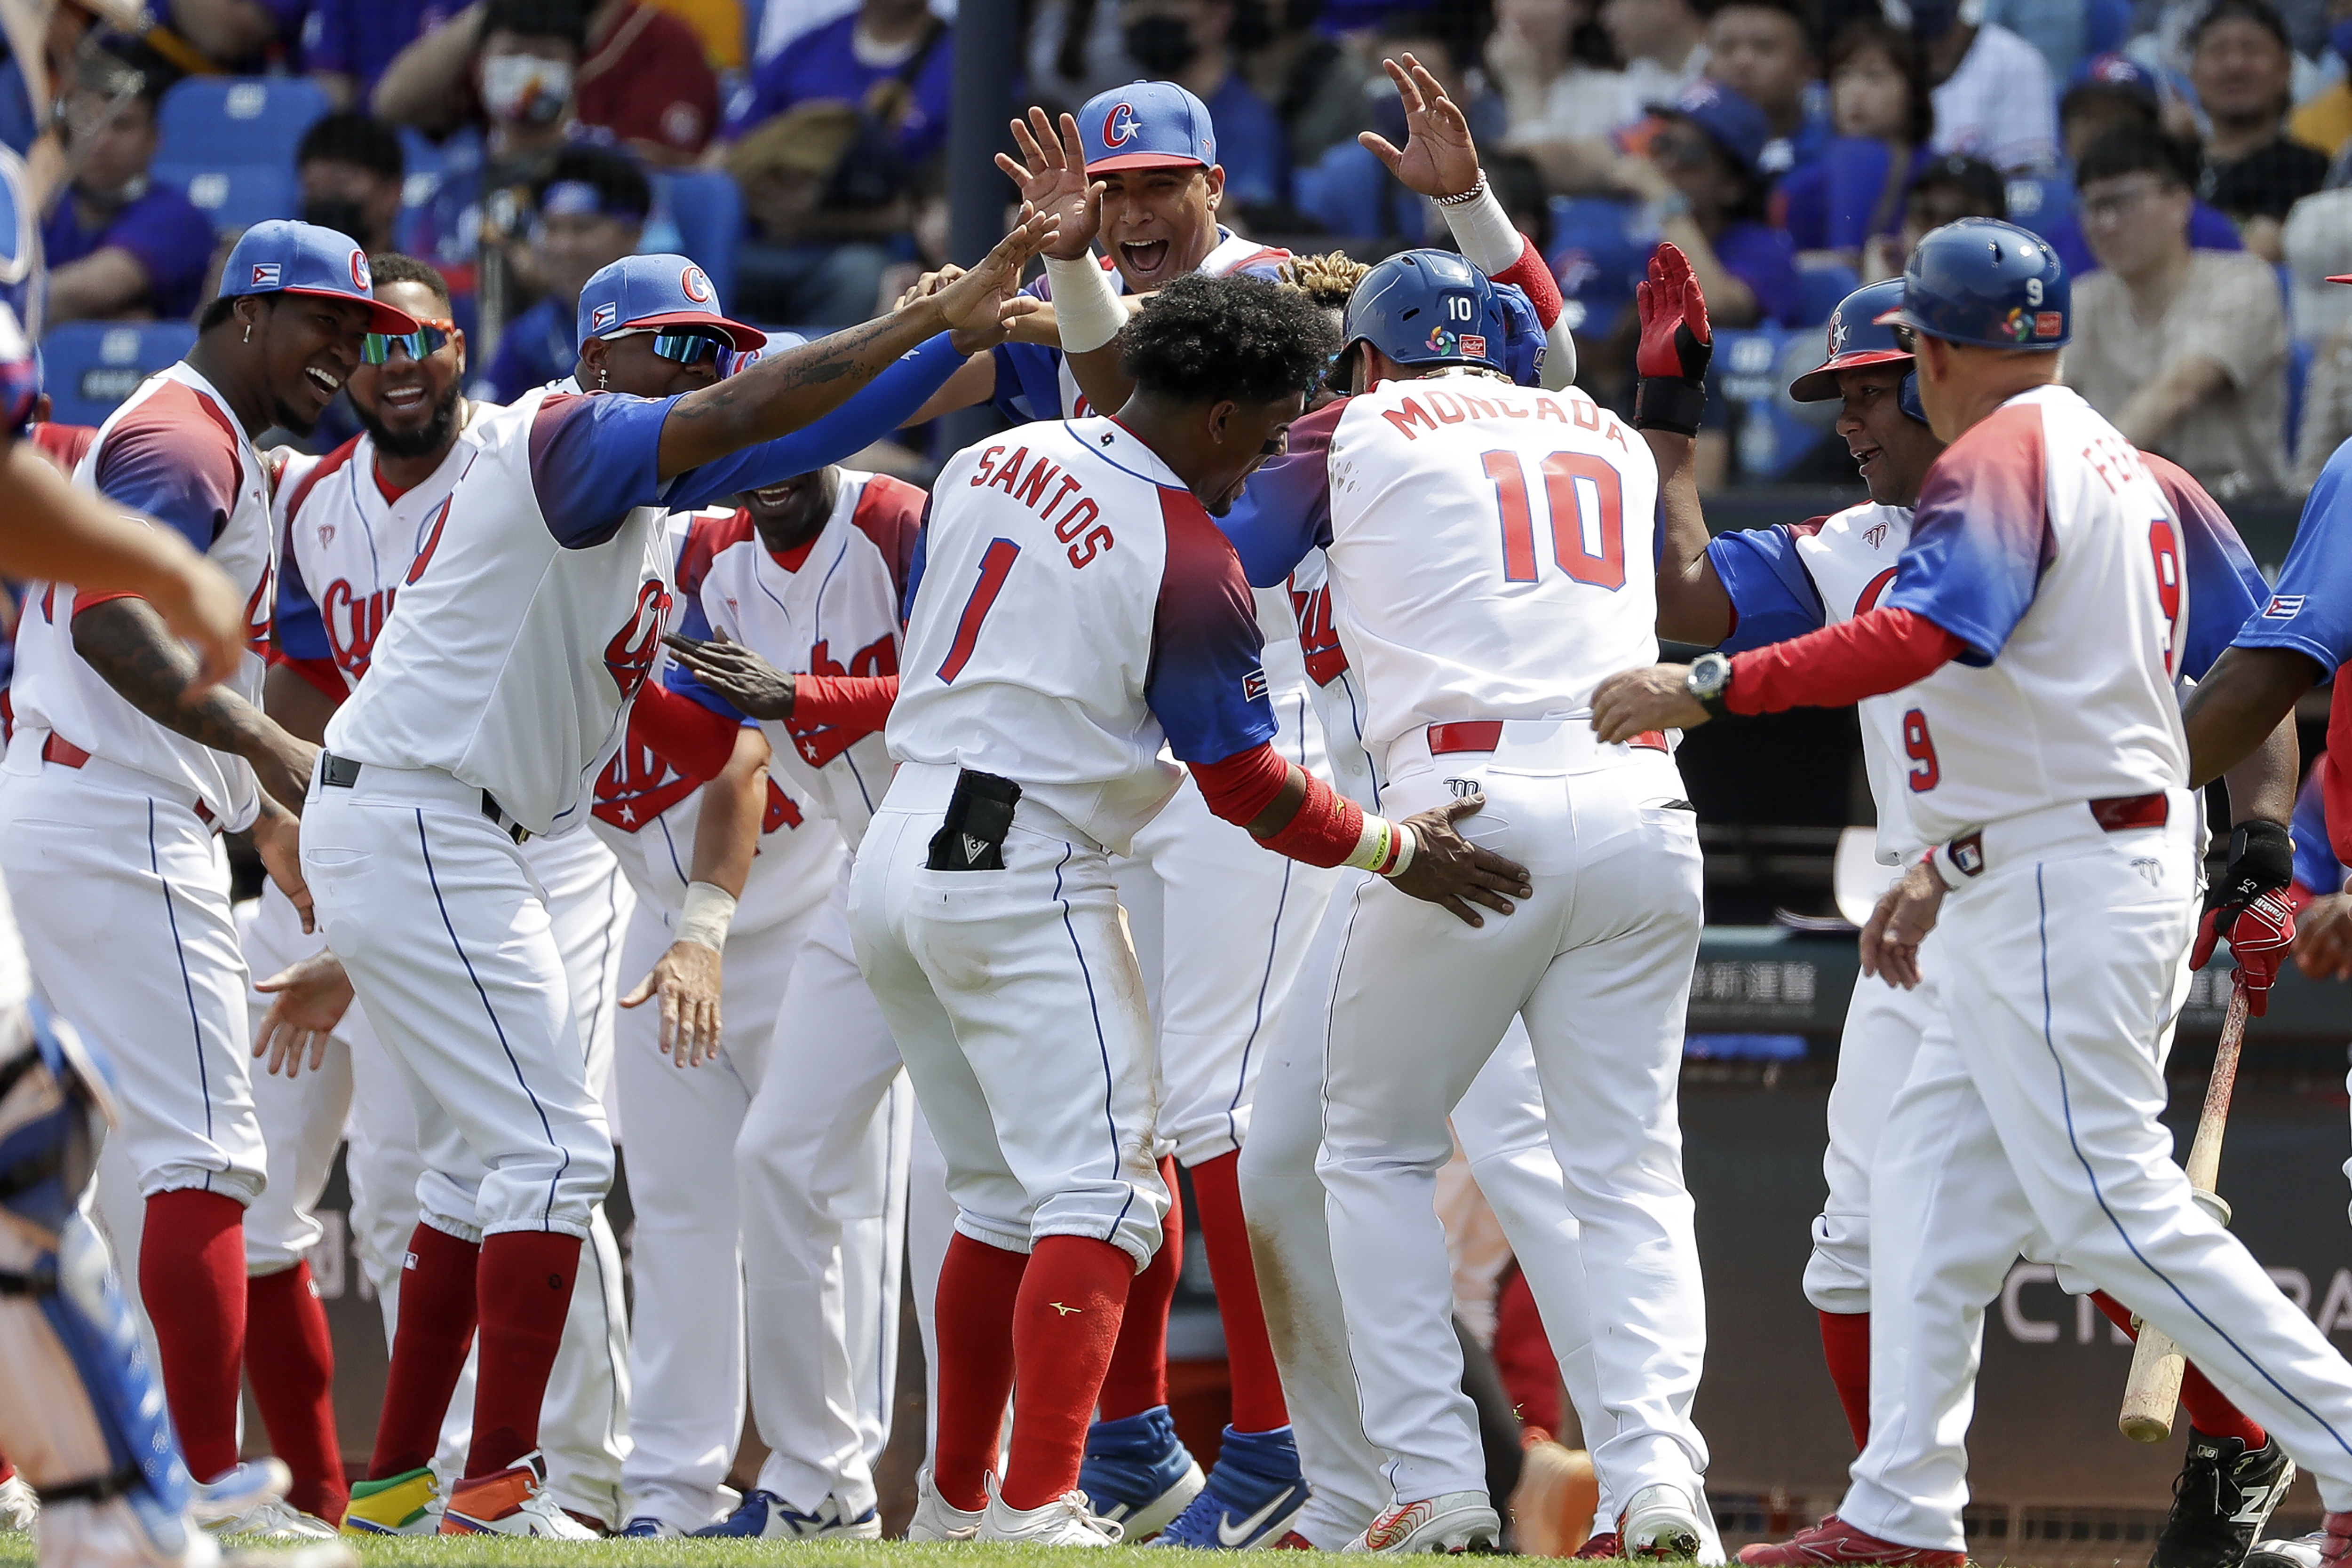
(302, 1117)
(2036, 1120)
(1598, 963)
(823, 1161)
(1016, 1001)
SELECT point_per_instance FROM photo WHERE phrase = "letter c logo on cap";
(360, 278)
(1120, 126)
(697, 286)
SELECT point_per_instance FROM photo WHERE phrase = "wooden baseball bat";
(2152, 1393)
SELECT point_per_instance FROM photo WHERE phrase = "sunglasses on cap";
(691, 346)
(431, 336)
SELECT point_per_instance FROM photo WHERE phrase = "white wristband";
(1383, 847)
(1484, 230)
(709, 910)
(1407, 842)
(1086, 309)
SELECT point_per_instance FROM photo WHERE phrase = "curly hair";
(1206, 340)
(1326, 279)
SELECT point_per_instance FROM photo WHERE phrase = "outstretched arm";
(1676, 346)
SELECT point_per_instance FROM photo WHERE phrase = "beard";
(422, 442)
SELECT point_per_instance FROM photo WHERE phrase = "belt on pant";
(1485, 734)
(1538, 745)
(57, 748)
(1967, 856)
(342, 773)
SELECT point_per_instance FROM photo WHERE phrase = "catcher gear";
(1856, 338)
(1678, 343)
(1984, 282)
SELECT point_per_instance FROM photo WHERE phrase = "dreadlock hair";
(1210, 339)
(1328, 279)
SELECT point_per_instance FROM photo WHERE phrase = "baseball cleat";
(513, 1502)
(274, 1522)
(1293, 1541)
(1138, 1472)
(1604, 1547)
(20, 1505)
(2327, 1547)
(1835, 1540)
(239, 1491)
(646, 1527)
(764, 1516)
(2223, 1496)
(1067, 1520)
(936, 1519)
(1661, 1522)
(406, 1504)
(1454, 1521)
(1253, 1492)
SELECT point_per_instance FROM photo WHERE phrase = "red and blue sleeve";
(1285, 510)
(170, 460)
(1980, 539)
(2309, 609)
(1773, 595)
(2316, 865)
(2225, 588)
(1207, 680)
(593, 460)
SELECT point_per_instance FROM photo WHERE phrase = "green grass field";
(16, 1551)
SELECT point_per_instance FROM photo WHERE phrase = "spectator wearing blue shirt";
(592, 210)
(119, 246)
(1695, 164)
(347, 43)
(833, 140)
(2113, 93)
(1759, 49)
(1187, 42)
(1885, 117)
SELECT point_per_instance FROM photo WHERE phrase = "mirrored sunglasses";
(430, 338)
(686, 346)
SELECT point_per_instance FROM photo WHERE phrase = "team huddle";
(1273, 777)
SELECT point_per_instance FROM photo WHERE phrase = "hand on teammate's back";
(277, 839)
(307, 1000)
(687, 979)
(1438, 157)
(1905, 913)
(756, 687)
(1450, 871)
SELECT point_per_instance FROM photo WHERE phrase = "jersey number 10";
(1588, 516)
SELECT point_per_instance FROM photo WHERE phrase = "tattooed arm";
(125, 640)
(780, 395)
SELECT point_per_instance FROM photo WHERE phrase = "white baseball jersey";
(538, 600)
(830, 607)
(646, 811)
(2043, 542)
(1490, 550)
(1075, 607)
(176, 452)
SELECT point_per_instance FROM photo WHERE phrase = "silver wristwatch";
(1708, 681)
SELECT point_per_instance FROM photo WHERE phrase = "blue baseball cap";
(657, 291)
(2121, 73)
(283, 256)
(1730, 121)
(1146, 125)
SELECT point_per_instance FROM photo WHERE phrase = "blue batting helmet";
(1982, 281)
(1856, 338)
(1430, 307)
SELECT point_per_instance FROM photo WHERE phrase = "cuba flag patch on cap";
(265, 275)
(604, 315)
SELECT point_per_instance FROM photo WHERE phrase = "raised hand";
(1438, 157)
(986, 301)
(1052, 175)
(1677, 344)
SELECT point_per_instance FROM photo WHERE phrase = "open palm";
(1438, 157)
(1052, 175)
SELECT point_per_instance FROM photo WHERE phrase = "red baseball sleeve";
(1324, 830)
(690, 738)
(1838, 665)
(861, 703)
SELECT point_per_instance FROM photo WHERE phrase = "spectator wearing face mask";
(590, 211)
(119, 246)
(351, 168)
(1314, 84)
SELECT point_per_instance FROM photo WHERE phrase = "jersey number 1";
(1588, 516)
(996, 563)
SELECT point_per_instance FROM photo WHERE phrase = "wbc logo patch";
(265, 275)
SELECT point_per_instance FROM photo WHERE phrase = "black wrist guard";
(2261, 860)
(1669, 402)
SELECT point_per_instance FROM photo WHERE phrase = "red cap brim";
(742, 337)
(390, 319)
(1144, 160)
(1820, 383)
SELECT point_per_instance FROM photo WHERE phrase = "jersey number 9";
(1588, 516)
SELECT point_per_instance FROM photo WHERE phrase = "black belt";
(340, 773)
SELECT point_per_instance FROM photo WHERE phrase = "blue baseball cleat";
(1253, 1492)
(762, 1515)
(1138, 1472)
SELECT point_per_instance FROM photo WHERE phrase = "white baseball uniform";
(2048, 766)
(822, 1153)
(1479, 635)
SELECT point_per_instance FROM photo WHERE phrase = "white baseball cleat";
(275, 1523)
(20, 1505)
(512, 1502)
(1451, 1522)
(1661, 1522)
(1067, 1520)
(935, 1519)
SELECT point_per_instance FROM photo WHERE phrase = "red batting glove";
(2260, 932)
(1676, 344)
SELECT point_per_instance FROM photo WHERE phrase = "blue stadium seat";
(699, 214)
(1824, 287)
(89, 367)
(235, 196)
(1596, 256)
(223, 121)
(1768, 436)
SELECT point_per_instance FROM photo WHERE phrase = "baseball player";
(1746, 590)
(1028, 731)
(527, 625)
(119, 781)
(2038, 620)
(806, 588)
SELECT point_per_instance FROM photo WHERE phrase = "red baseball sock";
(1257, 1384)
(428, 1350)
(525, 1288)
(1137, 1379)
(2210, 1410)
(294, 1383)
(192, 1255)
(1072, 1296)
(978, 1287)
(1846, 1345)
(7, 1469)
